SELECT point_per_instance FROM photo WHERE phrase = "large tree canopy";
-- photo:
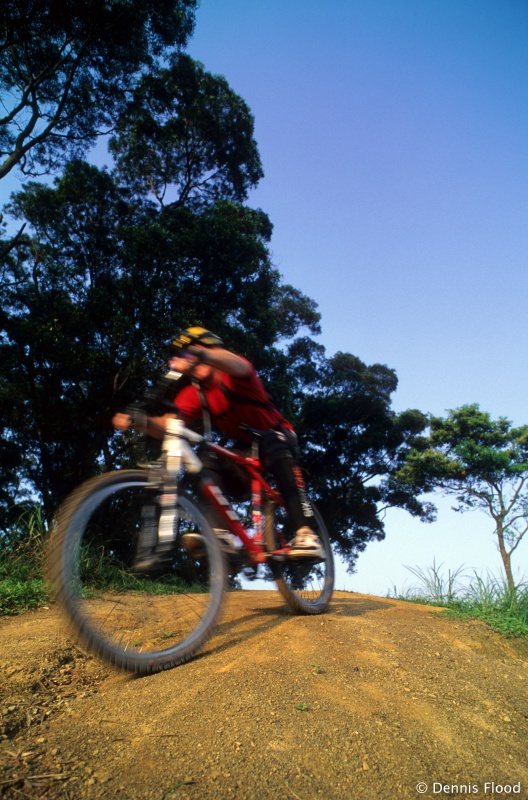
(353, 443)
(110, 264)
(93, 296)
(105, 274)
(185, 133)
(481, 462)
(66, 67)
(99, 285)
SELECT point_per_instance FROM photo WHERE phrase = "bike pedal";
(276, 557)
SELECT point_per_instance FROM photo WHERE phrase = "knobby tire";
(143, 624)
(306, 584)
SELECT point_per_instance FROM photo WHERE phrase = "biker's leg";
(280, 454)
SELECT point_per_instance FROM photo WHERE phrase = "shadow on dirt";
(243, 620)
(356, 606)
(267, 618)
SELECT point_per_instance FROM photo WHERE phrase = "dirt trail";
(368, 701)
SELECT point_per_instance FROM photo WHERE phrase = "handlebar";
(159, 398)
(177, 436)
(177, 448)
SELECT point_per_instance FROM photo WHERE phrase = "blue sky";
(393, 135)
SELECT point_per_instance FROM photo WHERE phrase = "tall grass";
(101, 572)
(434, 585)
(22, 585)
(491, 600)
(471, 595)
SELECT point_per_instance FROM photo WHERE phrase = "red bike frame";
(260, 488)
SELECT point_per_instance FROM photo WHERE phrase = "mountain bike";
(151, 622)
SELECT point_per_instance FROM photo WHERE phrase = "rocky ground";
(375, 699)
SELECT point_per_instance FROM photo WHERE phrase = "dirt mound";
(371, 700)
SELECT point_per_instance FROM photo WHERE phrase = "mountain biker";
(225, 388)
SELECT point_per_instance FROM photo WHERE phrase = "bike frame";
(178, 454)
(260, 490)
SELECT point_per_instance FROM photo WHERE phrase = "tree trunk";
(506, 557)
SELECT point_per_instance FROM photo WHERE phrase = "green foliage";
(200, 134)
(302, 707)
(108, 265)
(483, 463)
(95, 243)
(490, 599)
(435, 587)
(468, 450)
(17, 596)
(510, 620)
(102, 571)
(67, 362)
(352, 442)
(22, 583)
(22, 586)
(22, 545)
(66, 67)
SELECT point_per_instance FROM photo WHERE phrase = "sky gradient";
(393, 135)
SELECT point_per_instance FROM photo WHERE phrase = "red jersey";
(225, 401)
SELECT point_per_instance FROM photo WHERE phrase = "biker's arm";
(152, 426)
(223, 360)
(216, 357)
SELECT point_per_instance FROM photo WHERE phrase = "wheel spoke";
(305, 583)
(143, 622)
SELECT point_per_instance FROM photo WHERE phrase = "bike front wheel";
(306, 584)
(142, 623)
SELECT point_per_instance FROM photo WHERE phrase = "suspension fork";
(177, 453)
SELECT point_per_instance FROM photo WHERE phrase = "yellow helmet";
(195, 335)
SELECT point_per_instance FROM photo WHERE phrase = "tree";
(96, 238)
(111, 264)
(352, 443)
(199, 134)
(483, 463)
(66, 67)
(68, 359)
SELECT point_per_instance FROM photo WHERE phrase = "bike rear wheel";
(142, 623)
(306, 584)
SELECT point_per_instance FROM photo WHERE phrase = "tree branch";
(12, 244)
(21, 149)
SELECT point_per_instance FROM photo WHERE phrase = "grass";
(22, 583)
(17, 596)
(505, 610)
(22, 586)
(100, 572)
(302, 707)
(471, 596)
